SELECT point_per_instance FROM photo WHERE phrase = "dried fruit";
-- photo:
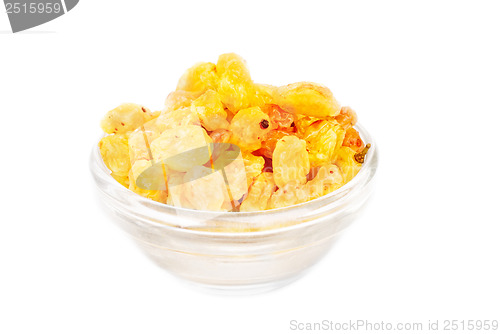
(307, 98)
(346, 118)
(114, 153)
(260, 193)
(198, 78)
(204, 189)
(279, 118)
(176, 194)
(322, 137)
(137, 169)
(290, 194)
(253, 165)
(290, 161)
(353, 140)
(126, 117)
(182, 148)
(263, 95)
(211, 111)
(140, 139)
(236, 89)
(246, 129)
(177, 118)
(235, 177)
(328, 178)
(224, 143)
(220, 136)
(346, 162)
(269, 143)
(180, 99)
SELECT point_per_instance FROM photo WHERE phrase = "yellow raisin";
(235, 177)
(204, 189)
(199, 78)
(259, 194)
(346, 162)
(170, 119)
(182, 148)
(263, 95)
(290, 161)
(140, 140)
(210, 111)
(247, 130)
(323, 139)
(353, 140)
(347, 117)
(328, 178)
(126, 117)
(307, 98)
(180, 99)
(290, 194)
(236, 89)
(253, 165)
(115, 153)
(137, 168)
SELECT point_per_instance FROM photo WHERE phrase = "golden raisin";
(269, 143)
(246, 128)
(124, 118)
(347, 117)
(353, 140)
(290, 161)
(235, 87)
(211, 111)
(307, 98)
(115, 153)
(279, 118)
(199, 78)
(259, 194)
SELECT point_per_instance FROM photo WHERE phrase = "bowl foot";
(242, 290)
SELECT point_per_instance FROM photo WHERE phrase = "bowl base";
(241, 290)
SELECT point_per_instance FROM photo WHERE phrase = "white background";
(423, 76)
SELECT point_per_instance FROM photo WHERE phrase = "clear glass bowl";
(237, 251)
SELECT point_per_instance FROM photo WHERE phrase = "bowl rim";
(368, 168)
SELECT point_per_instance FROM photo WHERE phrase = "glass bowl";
(237, 251)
